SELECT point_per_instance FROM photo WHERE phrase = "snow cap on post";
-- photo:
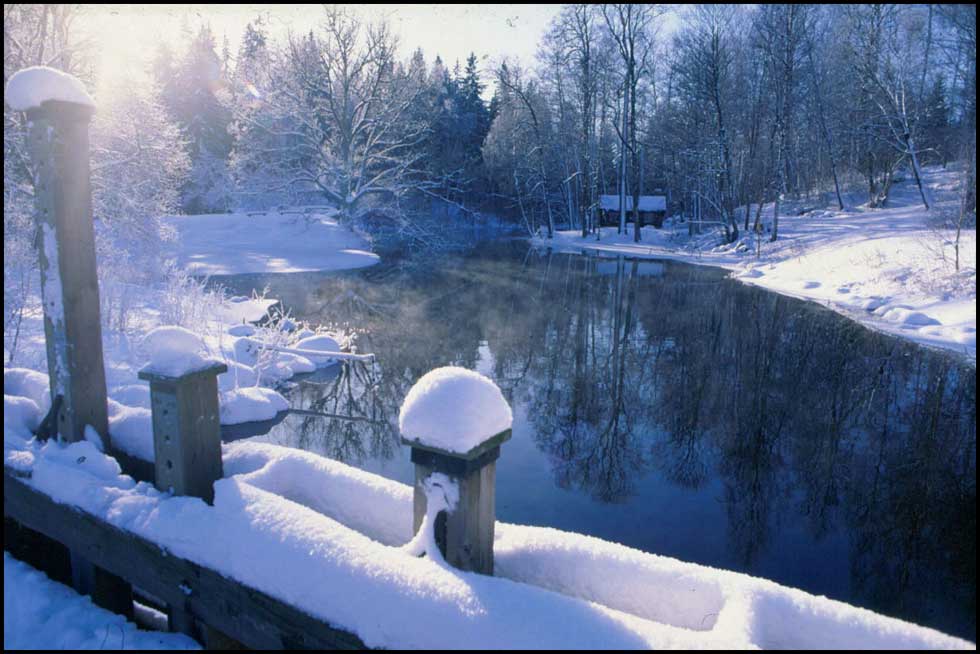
(28, 89)
(176, 352)
(455, 411)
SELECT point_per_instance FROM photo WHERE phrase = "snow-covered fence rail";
(248, 615)
(455, 420)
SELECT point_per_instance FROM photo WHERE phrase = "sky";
(126, 35)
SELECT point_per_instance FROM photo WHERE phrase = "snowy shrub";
(187, 301)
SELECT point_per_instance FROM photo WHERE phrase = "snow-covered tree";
(192, 89)
(342, 112)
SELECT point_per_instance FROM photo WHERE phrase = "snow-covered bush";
(187, 301)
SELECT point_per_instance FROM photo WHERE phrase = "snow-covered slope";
(888, 268)
(272, 242)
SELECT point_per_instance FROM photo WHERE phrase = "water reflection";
(678, 412)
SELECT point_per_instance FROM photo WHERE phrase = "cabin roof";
(647, 202)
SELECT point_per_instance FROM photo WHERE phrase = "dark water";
(665, 407)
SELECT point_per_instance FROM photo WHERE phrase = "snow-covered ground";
(42, 614)
(887, 268)
(269, 242)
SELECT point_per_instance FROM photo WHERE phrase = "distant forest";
(732, 107)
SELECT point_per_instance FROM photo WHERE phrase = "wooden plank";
(250, 616)
(69, 282)
(37, 550)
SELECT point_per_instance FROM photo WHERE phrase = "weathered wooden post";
(186, 430)
(59, 111)
(455, 421)
(187, 457)
(69, 282)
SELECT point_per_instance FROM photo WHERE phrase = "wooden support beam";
(252, 617)
(59, 147)
(187, 460)
(69, 283)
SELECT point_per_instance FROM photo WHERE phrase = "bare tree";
(705, 71)
(632, 27)
(781, 29)
(341, 116)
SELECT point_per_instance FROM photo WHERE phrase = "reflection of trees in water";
(371, 432)
(914, 524)
(586, 404)
(806, 419)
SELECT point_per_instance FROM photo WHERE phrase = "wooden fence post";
(187, 459)
(464, 535)
(69, 282)
(186, 430)
(59, 147)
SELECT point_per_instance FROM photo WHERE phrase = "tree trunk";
(913, 156)
(622, 166)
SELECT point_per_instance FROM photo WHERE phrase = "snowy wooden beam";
(59, 147)
(318, 354)
(59, 111)
(455, 421)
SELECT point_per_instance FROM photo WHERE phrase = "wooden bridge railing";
(106, 561)
(199, 601)
(223, 606)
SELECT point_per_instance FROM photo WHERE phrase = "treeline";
(723, 108)
(329, 116)
(738, 107)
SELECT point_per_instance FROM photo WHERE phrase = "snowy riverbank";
(266, 242)
(886, 268)
(257, 364)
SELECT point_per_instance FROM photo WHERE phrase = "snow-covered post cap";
(176, 353)
(455, 412)
(40, 88)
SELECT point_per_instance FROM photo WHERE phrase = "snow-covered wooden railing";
(454, 419)
(219, 604)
